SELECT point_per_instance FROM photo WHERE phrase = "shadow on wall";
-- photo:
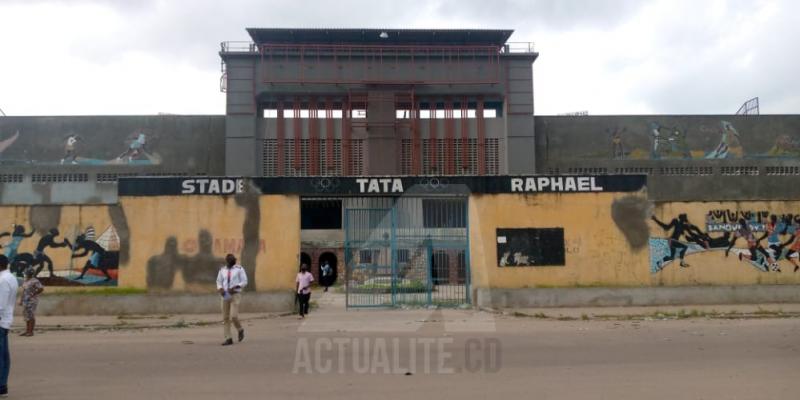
(198, 271)
(251, 229)
(630, 215)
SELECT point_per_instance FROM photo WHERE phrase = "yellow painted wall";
(597, 253)
(207, 228)
(177, 243)
(712, 267)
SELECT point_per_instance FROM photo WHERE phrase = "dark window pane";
(320, 214)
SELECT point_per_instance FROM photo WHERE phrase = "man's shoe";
(227, 342)
(241, 334)
(3, 391)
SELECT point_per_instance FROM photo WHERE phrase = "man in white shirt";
(231, 279)
(8, 297)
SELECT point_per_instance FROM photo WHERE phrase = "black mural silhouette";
(17, 234)
(39, 258)
(101, 259)
(680, 227)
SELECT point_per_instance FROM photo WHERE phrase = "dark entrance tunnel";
(328, 279)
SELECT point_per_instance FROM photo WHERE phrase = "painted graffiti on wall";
(93, 260)
(136, 149)
(7, 142)
(177, 143)
(762, 239)
(672, 142)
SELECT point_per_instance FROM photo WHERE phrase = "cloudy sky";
(64, 57)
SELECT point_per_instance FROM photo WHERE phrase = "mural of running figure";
(753, 246)
(793, 252)
(781, 232)
(95, 261)
(40, 258)
(681, 227)
(11, 248)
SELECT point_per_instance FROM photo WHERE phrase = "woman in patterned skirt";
(31, 289)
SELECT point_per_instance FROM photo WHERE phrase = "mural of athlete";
(40, 258)
(17, 234)
(793, 254)
(617, 147)
(136, 148)
(95, 261)
(680, 227)
(679, 145)
(661, 145)
(728, 144)
(774, 230)
(753, 246)
(70, 149)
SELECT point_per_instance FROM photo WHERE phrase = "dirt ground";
(420, 354)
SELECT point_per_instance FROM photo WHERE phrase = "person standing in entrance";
(8, 297)
(303, 280)
(230, 282)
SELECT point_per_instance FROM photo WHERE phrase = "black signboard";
(530, 247)
(380, 186)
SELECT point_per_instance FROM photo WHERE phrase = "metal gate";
(413, 252)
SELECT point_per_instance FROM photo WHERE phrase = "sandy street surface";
(410, 354)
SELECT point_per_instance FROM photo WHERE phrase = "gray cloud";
(691, 57)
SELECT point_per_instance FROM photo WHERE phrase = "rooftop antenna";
(2, 113)
(750, 107)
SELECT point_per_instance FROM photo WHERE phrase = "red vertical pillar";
(281, 137)
(449, 137)
(346, 130)
(433, 147)
(481, 137)
(298, 133)
(416, 146)
(464, 135)
(313, 136)
(329, 135)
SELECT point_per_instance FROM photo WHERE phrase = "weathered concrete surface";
(542, 359)
(70, 304)
(178, 143)
(636, 296)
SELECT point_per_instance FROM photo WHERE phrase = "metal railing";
(238, 47)
(250, 47)
(517, 48)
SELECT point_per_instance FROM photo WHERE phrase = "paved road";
(419, 354)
